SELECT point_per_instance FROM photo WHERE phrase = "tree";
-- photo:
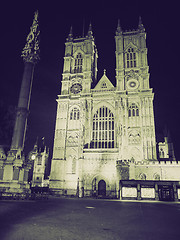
(7, 119)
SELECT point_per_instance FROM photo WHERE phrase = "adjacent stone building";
(39, 157)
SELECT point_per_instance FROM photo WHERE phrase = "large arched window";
(131, 58)
(103, 129)
(74, 114)
(78, 63)
(133, 110)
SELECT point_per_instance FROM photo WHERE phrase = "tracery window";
(74, 114)
(131, 58)
(78, 63)
(103, 129)
(133, 110)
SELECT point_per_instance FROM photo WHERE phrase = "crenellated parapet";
(124, 162)
(160, 163)
(157, 163)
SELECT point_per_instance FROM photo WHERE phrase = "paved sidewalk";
(89, 219)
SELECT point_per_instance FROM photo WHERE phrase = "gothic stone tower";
(97, 127)
(73, 112)
(136, 116)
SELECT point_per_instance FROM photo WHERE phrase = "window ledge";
(106, 150)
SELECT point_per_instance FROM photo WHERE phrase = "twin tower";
(98, 127)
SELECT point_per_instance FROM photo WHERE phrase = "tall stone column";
(30, 56)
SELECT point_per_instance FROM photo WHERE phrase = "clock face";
(76, 88)
(132, 84)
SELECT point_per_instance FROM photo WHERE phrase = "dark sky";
(160, 18)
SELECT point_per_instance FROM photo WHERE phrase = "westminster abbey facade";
(106, 133)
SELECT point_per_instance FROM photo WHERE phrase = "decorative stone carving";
(142, 176)
(76, 80)
(131, 74)
(31, 50)
(134, 137)
(72, 139)
(156, 176)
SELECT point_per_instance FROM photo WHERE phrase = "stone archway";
(102, 188)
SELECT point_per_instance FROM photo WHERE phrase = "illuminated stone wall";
(157, 171)
(149, 170)
(96, 127)
(98, 167)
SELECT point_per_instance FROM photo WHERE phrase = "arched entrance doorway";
(102, 188)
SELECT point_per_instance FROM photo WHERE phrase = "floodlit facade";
(106, 133)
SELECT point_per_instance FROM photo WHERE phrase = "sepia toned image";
(89, 128)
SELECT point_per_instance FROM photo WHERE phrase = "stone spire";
(36, 145)
(90, 33)
(70, 36)
(31, 50)
(119, 29)
(140, 25)
(30, 56)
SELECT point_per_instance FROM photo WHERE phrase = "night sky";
(160, 20)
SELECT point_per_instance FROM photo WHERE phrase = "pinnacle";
(90, 33)
(90, 27)
(119, 30)
(140, 25)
